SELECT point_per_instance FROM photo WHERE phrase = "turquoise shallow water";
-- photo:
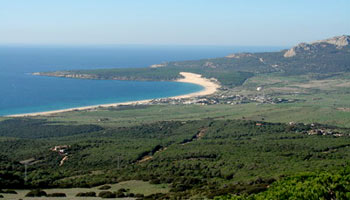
(21, 92)
(36, 94)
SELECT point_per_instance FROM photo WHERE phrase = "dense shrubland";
(324, 185)
(232, 156)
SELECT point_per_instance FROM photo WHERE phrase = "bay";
(21, 92)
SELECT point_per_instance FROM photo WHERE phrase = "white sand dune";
(210, 87)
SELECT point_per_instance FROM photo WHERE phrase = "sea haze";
(21, 92)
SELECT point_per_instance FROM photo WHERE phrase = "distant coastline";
(210, 86)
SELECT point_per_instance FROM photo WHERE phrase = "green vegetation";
(36, 193)
(234, 156)
(144, 74)
(137, 188)
(160, 144)
(205, 155)
(227, 77)
(104, 187)
(108, 194)
(57, 194)
(320, 108)
(86, 194)
(310, 185)
(8, 191)
(35, 128)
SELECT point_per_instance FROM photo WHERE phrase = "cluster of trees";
(227, 76)
(41, 128)
(121, 193)
(324, 185)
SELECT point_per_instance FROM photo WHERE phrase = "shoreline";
(209, 87)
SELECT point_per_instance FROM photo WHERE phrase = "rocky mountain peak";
(338, 41)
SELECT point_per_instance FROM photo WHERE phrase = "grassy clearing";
(135, 187)
(276, 83)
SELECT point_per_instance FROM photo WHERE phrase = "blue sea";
(21, 92)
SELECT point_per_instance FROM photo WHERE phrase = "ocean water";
(21, 92)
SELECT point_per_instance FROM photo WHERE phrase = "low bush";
(139, 195)
(86, 194)
(36, 193)
(122, 190)
(155, 196)
(155, 181)
(107, 194)
(120, 194)
(8, 191)
(104, 187)
(57, 195)
(130, 195)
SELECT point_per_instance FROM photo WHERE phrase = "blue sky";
(180, 22)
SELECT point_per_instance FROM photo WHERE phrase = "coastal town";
(222, 99)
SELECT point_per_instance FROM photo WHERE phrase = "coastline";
(209, 87)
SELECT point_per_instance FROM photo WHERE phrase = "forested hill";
(324, 56)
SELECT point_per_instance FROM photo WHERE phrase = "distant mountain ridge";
(330, 55)
(321, 57)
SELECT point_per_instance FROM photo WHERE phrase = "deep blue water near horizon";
(21, 92)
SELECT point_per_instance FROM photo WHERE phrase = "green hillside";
(322, 57)
(196, 158)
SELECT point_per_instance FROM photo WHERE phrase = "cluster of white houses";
(324, 132)
(221, 99)
(62, 149)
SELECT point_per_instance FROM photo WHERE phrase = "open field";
(136, 187)
(321, 108)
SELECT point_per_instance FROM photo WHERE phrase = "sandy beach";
(210, 87)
